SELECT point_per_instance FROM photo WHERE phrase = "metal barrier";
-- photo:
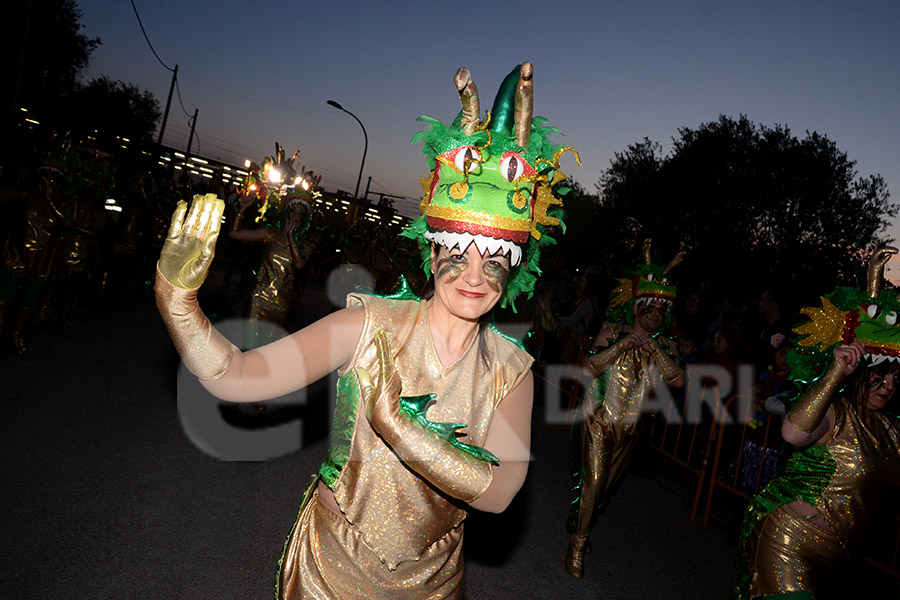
(692, 445)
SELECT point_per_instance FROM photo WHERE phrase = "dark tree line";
(755, 206)
(49, 52)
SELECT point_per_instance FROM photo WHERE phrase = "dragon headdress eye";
(867, 316)
(495, 180)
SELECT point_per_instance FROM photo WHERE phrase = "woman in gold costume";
(286, 250)
(383, 517)
(803, 529)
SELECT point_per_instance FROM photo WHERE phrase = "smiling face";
(649, 316)
(467, 283)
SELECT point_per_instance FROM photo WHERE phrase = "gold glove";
(183, 263)
(667, 365)
(430, 449)
(191, 242)
(809, 411)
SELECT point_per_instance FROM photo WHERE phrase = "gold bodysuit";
(610, 415)
(791, 552)
(397, 536)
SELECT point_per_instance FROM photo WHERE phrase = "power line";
(146, 37)
(178, 91)
(249, 99)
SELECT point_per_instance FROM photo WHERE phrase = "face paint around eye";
(496, 274)
(450, 267)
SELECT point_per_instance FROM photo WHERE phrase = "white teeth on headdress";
(877, 359)
(648, 299)
(483, 243)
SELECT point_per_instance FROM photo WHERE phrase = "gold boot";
(575, 554)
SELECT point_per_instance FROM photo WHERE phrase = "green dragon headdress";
(494, 182)
(849, 314)
(644, 283)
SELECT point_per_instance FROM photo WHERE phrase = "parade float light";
(179, 155)
(273, 176)
(31, 121)
(199, 160)
(247, 164)
(226, 167)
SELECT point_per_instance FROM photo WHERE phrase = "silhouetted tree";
(50, 52)
(107, 109)
(754, 204)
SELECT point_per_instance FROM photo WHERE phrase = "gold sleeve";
(809, 411)
(667, 365)
(604, 359)
(205, 352)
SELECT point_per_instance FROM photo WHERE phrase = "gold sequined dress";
(844, 480)
(396, 537)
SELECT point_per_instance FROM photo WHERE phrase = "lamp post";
(365, 148)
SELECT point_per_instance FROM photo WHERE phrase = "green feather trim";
(414, 408)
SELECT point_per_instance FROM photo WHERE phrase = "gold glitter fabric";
(862, 455)
(628, 380)
(610, 415)
(397, 531)
(205, 352)
(272, 292)
(788, 548)
(32, 253)
(326, 558)
(811, 408)
(792, 554)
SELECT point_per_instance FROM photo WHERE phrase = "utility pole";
(193, 126)
(162, 128)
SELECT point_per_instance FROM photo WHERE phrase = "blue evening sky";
(606, 73)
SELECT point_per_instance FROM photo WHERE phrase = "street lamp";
(365, 148)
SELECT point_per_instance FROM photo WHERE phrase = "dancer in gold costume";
(433, 403)
(288, 246)
(30, 254)
(630, 360)
(803, 529)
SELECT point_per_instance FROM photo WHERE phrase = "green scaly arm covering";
(414, 408)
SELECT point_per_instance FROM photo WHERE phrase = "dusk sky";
(607, 74)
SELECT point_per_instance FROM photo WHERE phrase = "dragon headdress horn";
(495, 182)
(876, 269)
(468, 97)
(675, 261)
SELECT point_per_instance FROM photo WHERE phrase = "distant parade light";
(247, 164)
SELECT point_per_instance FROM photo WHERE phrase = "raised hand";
(191, 242)
(848, 356)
